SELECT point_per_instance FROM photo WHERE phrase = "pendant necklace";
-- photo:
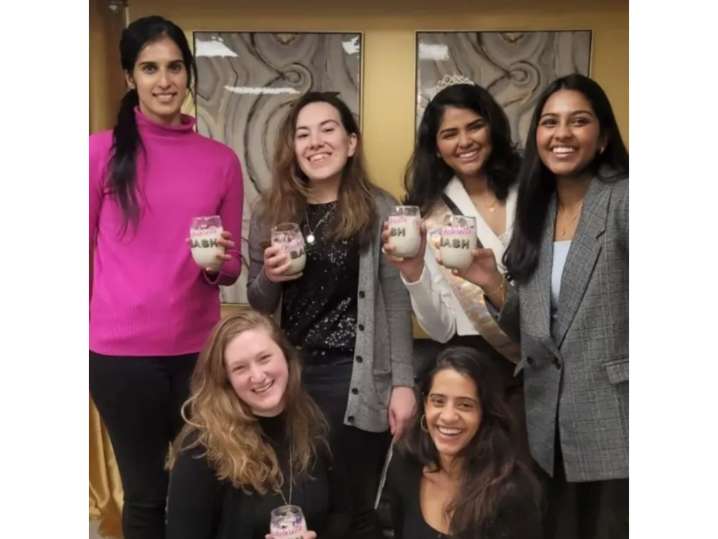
(566, 226)
(309, 234)
(291, 479)
(480, 202)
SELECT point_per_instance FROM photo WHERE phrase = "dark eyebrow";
(153, 62)
(321, 124)
(447, 130)
(573, 113)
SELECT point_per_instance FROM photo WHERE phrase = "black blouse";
(202, 507)
(319, 310)
(518, 515)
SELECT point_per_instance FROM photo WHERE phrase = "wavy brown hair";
(286, 199)
(224, 425)
(490, 460)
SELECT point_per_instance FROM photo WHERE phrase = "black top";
(200, 506)
(518, 515)
(319, 310)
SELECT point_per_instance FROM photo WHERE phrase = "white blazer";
(435, 306)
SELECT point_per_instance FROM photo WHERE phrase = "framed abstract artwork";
(513, 66)
(246, 83)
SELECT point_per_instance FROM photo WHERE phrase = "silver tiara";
(444, 82)
(449, 80)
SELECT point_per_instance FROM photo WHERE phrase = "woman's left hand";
(226, 242)
(402, 406)
(309, 534)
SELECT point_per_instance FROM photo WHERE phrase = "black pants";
(586, 510)
(139, 399)
(362, 452)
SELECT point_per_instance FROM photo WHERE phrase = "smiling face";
(453, 412)
(160, 77)
(464, 142)
(568, 135)
(258, 371)
(322, 145)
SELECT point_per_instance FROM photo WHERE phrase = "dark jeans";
(360, 451)
(139, 399)
(586, 510)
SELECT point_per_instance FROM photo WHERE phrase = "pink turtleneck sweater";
(147, 296)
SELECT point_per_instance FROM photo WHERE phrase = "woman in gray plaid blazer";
(568, 304)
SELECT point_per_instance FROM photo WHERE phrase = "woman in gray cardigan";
(568, 258)
(347, 311)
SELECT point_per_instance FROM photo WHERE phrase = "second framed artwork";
(246, 82)
(513, 66)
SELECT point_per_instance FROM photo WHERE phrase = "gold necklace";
(564, 230)
(479, 201)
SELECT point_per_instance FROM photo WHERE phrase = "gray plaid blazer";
(576, 369)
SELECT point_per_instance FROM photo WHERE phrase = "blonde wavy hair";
(217, 420)
(286, 199)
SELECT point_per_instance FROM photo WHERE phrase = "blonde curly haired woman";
(253, 440)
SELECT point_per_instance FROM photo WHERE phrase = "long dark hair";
(427, 174)
(285, 201)
(490, 460)
(537, 184)
(126, 140)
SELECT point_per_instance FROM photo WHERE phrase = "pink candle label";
(457, 237)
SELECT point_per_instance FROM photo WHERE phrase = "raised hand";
(410, 268)
(484, 273)
(225, 241)
(276, 264)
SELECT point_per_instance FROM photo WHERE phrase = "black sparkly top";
(319, 310)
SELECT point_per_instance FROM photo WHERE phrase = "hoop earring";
(422, 423)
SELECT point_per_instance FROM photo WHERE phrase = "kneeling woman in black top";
(456, 474)
(254, 440)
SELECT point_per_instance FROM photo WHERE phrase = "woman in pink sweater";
(151, 306)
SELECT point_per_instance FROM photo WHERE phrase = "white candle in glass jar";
(290, 239)
(205, 233)
(405, 231)
(458, 241)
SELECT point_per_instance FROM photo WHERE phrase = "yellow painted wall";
(389, 28)
(106, 81)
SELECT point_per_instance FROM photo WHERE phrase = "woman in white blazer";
(464, 163)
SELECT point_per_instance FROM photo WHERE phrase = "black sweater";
(202, 507)
(518, 514)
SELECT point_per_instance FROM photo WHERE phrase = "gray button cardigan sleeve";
(263, 294)
(398, 311)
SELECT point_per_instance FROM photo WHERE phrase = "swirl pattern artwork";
(513, 66)
(246, 83)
